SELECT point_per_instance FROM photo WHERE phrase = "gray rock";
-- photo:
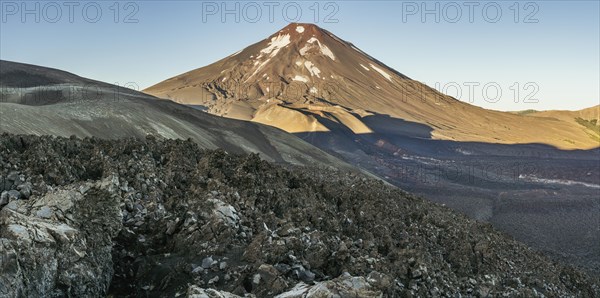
(4, 198)
(283, 268)
(379, 280)
(307, 276)
(303, 274)
(213, 280)
(197, 292)
(14, 205)
(343, 286)
(13, 177)
(7, 184)
(129, 206)
(207, 262)
(60, 258)
(138, 207)
(13, 195)
(198, 269)
(84, 188)
(256, 279)
(225, 213)
(25, 190)
(172, 226)
(416, 274)
(222, 265)
(44, 212)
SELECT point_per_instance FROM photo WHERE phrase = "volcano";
(305, 79)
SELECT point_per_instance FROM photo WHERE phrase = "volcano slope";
(509, 169)
(151, 217)
(309, 71)
(44, 101)
(589, 118)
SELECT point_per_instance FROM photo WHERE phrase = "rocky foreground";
(91, 217)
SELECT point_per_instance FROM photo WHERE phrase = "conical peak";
(299, 27)
(299, 31)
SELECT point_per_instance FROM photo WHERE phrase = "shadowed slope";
(83, 107)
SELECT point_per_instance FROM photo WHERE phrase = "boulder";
(43, 256)
(343, 286)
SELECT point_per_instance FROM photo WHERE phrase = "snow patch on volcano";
(305, 49)
(314, 71)
(277, 43)
(300, 78)
(327, 52)
(323, 48)
(380, 71)
(258, 69)
(366, 68)
(299, 29)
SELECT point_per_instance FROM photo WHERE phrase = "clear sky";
(547, 50)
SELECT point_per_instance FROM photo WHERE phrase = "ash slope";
(44, 101)
(588, 119)
(310, 75)
(166, 218)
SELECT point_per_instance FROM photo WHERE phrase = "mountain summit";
(283, 79)
(305, 79)
(309, 54)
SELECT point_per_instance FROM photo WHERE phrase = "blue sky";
(549, 51)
